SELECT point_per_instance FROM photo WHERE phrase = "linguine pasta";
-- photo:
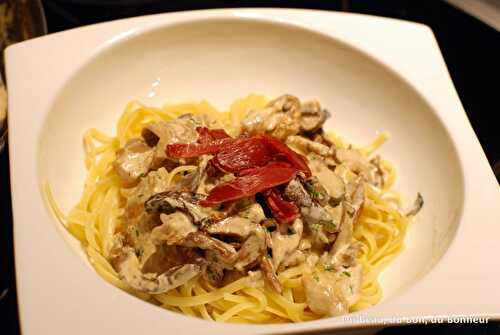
(380, 229)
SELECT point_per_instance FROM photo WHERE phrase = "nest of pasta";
(254, 215)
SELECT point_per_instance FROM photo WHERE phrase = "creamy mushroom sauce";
(173, 232)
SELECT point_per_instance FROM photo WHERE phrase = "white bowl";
(373, 74)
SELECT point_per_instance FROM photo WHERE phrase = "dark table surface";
(471, 50)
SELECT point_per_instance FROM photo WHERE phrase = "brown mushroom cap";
(312, 117)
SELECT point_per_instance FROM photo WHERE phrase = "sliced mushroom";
(295, 258)
(331, 293)
(191, 181)
(353, 159)
(306, 145)
(133, 161)
(203, 241)
(129, 270)
(312, 117)
(214, 273)
(175, 227)
(329, 179)
(166, 257)
(376, 175)
(283, 245)
(255, 118)
(153, 182)
(337, 215)
(417, 206)
(316, 216)
(232, 226)
(167, 202)
(269, 273)
(349, 284)
(345, 258)
(287, 104)
(352, 208)
(322, 294)
(317, 191)
(296, 192)
(253, 212)
(279, 118)
(355, 196)
(251, 250)
(180, 130)
(320, 137)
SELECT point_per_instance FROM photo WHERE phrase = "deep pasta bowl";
(373, 74)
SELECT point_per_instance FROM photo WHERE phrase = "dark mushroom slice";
(234, 226)
(417, 206)
(320, 137)
(269, 273)
(174, 228)
(312, 116)
(214, 273)
(130, 271)
(170, 201)
(206, 242)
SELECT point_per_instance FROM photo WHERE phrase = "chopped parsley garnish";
(315, 226)
(312, 191)
(345, 273)
(330, 225)
(328, 268)
(316, 277)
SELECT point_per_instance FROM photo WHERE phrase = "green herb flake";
(330, 225)
(315, 226)
(316, 277)
(328, 268)
(347, 274)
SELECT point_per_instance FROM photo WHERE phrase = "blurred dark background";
(470, 47)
